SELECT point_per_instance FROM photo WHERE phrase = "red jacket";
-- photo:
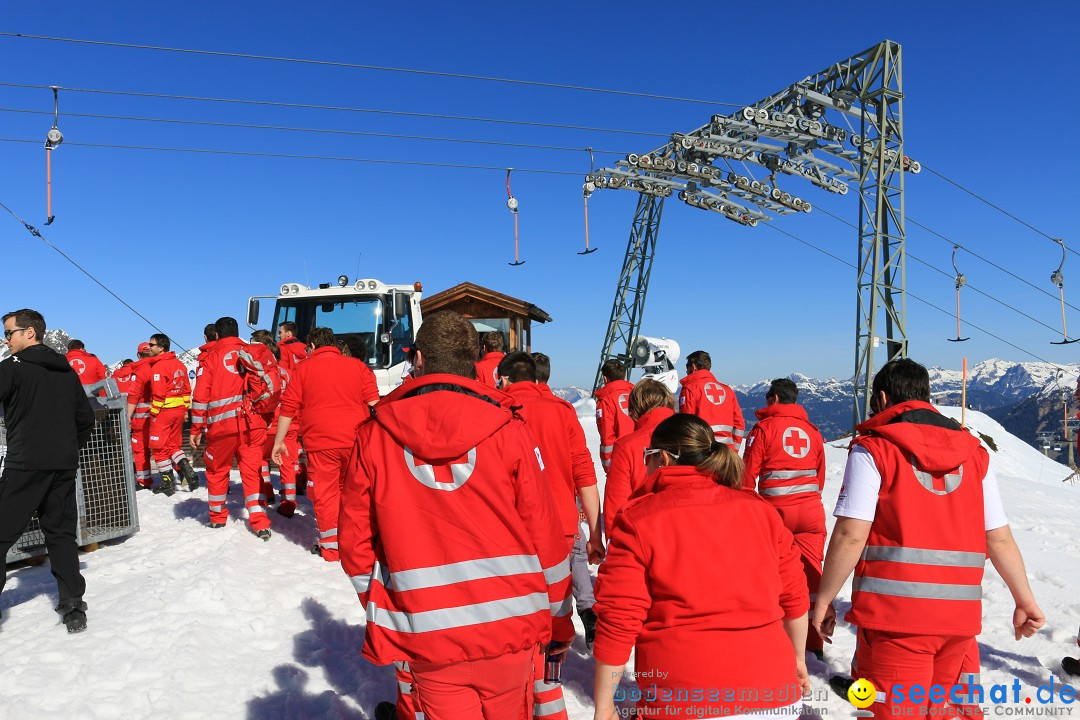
(715, 403)
(204, 354)
(293, 350)
(169, 384)
(785, 456)
(86, 366)
(612, 416)
(331, 394)
(217, 406)
(656, 594)
(567, 463)
(487, 369)
(921, 571)
(140, 392)
(124, 377)
(448, 530)
(626, 476)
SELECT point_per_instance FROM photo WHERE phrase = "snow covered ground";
(187, 622)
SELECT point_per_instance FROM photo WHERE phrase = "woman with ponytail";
(703, 581)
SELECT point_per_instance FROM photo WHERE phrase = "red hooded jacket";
(786, 452)
(567, 463)
(293, 351)
(448, 530)
(921, 571)
(139, 391)
(86, 366)
(169, 383)
(612, 416)
(655, 595)
(715, 403)
(487, 368)
(626, 476)
(331, 394)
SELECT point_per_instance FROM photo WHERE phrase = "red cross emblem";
(449, 476)
(624, 403)
(230, 361)
(714, 393)
(78, 366)
(938, 484)
(796, 442)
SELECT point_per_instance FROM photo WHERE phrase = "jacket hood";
(613, 387)
(527, 390)
(325, 350)
(698, 376)
(441, 417)
(782, 410)
(80, 353)
(163, 356)
(652, 418)
(938, 444)
(44, 356)
(207, 347)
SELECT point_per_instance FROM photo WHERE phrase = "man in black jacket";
(48, 420)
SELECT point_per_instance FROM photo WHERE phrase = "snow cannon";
(657, 357)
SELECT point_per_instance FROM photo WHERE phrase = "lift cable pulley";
(587, 190)
(512, 205)
(1059, 279)
(960, 281)
(52, 140)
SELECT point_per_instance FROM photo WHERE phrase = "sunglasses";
(9, 333)
(649, 452)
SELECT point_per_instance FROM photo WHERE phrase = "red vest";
(921, 571)
(785, 455)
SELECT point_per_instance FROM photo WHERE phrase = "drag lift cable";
(52, 140)
(587, 190)
(1059, 279)
(960, 282)
(512, 205)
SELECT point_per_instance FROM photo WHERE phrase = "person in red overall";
(736, 622)
(89, 369)
(293, 352)
(464, 604)
(170, 392)
(293, 349)
(650, 404)
(785, 462)
(711, 400)
(222, 413)
(918, 513)
(570, 474)
(491, 354)
(332, 394)
(612, 408)
(138, 412)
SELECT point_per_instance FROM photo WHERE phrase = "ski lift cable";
(379, 68)
(37, 233)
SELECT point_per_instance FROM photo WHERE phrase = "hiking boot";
(263, 534)
(840, 685)
(140, 486)
(386, 711)
(215, 525)
(588, 619)
(316, 550)
(167, 486)
(191, 478)
(287, 508)
(73, 614)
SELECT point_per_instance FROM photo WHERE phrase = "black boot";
(191, 478)
(386, 711)
(167, 486)
(588, 619)
(73, 614)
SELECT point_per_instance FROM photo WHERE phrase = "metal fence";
(105, 483)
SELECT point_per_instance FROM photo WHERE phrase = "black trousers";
(52, 494)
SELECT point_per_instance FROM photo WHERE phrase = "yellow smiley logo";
(862, 693)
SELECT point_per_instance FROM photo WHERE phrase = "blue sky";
(187, 237)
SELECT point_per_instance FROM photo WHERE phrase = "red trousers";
(491, 689)
(140, 451)
(246, 447)
(887, 659)
(326, 469)
(166, 437)
(806, 521)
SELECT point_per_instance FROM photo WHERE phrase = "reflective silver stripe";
(142, 406)
(605, 463)
(455, 617)
(222, 416)
(255, 509)
(549, 708)
(225, 401)
(557, 572)
(199, 406)
(328, 533)
(253, 498)
(606, 448)
(140, 415)
(216, 498)
(790, 489)
(740, 433)
(970, 679)
(402, 666)
(788, 474)
(451, 573)
(404, 688)
(727, 441)
(327, 545)
(540, 686)
(920, 590)
(919, 556)
(562, 609)
(360, 583)
(723, 428)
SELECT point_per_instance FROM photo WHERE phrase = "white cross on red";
(714, 393)
(796, 442)
(78, 366)
(449, 476)
(230, 361)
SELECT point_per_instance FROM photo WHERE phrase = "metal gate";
(105, 483)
